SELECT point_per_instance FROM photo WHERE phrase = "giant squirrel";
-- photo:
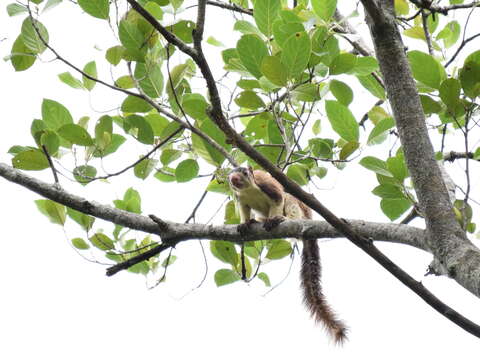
(258, 192)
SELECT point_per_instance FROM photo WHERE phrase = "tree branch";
(173, 233)
(422, 4)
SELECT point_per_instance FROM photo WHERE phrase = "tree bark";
(171, 231)
(459, 258)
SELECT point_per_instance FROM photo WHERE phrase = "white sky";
(56, 305)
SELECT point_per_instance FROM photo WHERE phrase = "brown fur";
(266, 194)
(268, 185)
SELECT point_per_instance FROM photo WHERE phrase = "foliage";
(295, 91)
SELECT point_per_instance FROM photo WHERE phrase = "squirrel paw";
(272, 223)
(245, 227)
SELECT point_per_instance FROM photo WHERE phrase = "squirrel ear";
(250, 169)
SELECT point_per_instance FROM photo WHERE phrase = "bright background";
(54, 304)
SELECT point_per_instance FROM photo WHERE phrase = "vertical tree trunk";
(458, 257)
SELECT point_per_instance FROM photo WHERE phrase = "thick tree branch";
(446, 238)
(173, 233)
(455, 155)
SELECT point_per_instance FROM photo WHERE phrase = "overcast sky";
(54, 304)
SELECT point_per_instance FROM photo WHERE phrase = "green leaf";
(394, 208)
(251, 51)
(365, 65)
(84, 174)
(415, 32)
(134, 104)
(150, 79)
(144, 168)
(250, 100)
(224, 251)
(324, 9)
(342, 63)
(246, 28)
(75, 134)
(90, 69)
(320, 171)
(70, 80)
(31, 39)
(131, 201)
(113, 145)
(169, 260)
(114, 54)
(96, 8)
(342, 92)
(125, 82)
(80, 244)
(207, 151)
(32, 159)
(348, 149)
(450, 92)
(130, 36)
(401, 7)
(54, 211)
(383, 126)
(55, 114)
(274, 70)
(183, 30)
(372, 85)
(225, 277)
(264, 277)
(16, 9)
(282, 31)
(186, 170)
(218, 187)
(396, 166)
(102, 242)
(265, 12)
(306, 92)
(170, 155)
(450, 33)
(21, 56)
(374, 164)
(51, 141)
(278, 249)
(298, 173)
(296, 53)
(165, 176)
(103, 132)
(342, 120)
(84, 220)
(51, 4)
(426, 69)
(144, 132)
(470, 78)
(157, 122)
(388, 191)
(429, 105)
(195, 106)
(214, 42)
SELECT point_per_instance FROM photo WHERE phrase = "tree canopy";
(302, 89)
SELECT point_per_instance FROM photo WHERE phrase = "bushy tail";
(312, 292)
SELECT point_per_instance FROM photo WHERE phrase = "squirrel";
(258, 191)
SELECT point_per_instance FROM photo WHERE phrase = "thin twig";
(50, 162)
